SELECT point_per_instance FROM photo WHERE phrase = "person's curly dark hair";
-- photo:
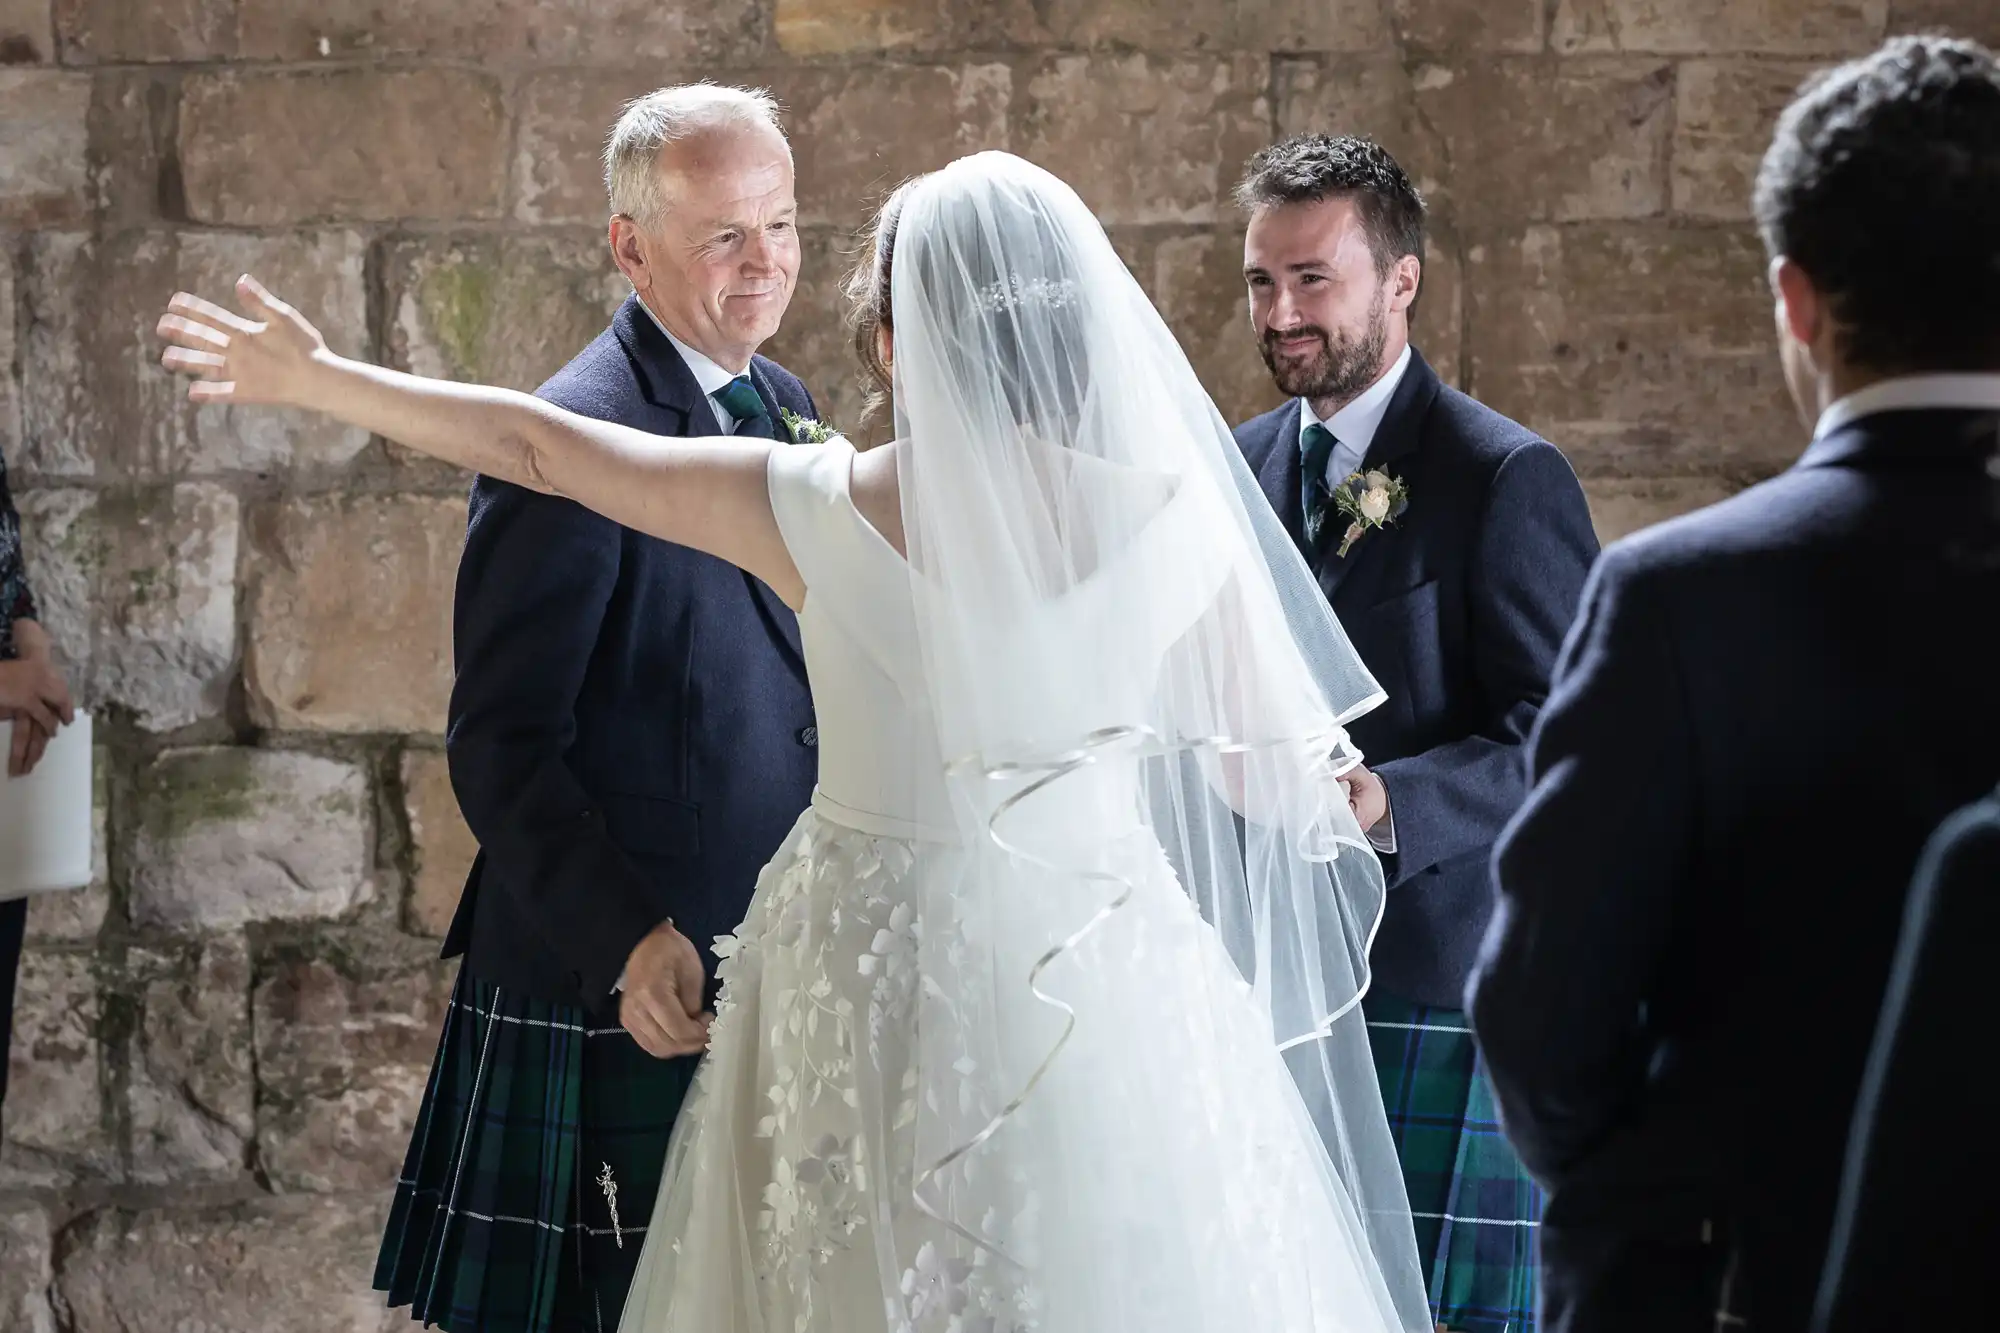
(1308, 168)
(1883, 184)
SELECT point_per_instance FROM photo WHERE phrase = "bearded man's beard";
(1341, 370)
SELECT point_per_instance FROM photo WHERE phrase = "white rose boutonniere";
(1371, 499)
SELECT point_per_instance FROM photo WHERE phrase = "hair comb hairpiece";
(1011, 291)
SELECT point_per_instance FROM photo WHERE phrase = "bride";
(1045, 1016)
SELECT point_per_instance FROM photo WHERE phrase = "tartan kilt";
(501, 1221)
(1477, 1211)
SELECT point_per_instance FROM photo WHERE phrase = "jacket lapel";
(1278, 476)
(1395, 439)
(664, 378)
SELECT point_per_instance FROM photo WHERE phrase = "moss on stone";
(199, 789)
(457, 302)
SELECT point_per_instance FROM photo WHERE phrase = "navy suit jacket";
(1458, 608)
(1764, 710)
(630, 735)
(1912, 1223)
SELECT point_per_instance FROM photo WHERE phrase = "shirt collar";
(711, 377)
(1355, 425)
(1979, 392)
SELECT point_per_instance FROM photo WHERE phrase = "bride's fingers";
(208, 312)
(191, 333)
(259, 298)
(212, 391)
(182, 361)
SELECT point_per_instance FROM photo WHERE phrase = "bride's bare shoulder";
(875, 491)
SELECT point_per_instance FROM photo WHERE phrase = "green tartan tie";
(1317, 444)
(741, 400)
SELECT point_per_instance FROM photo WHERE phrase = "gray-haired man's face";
(719, 265)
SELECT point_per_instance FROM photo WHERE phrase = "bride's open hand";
(265, 357)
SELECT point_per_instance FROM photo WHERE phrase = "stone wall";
(220, 1044)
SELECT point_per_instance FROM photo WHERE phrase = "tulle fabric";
(1119, 640)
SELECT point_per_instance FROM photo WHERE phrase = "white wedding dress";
(1160, 1174)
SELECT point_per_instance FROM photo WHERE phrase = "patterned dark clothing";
(17, 602)
(1477, 1211)
(529, 1183)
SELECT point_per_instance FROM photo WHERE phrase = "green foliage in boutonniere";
(805, 430)
(1371, 499)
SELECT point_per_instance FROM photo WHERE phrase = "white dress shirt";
(1353, 428)
(1979, 392)
(711, 377)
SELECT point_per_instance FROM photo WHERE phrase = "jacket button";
(809, 737)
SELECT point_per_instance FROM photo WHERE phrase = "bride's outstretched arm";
(710, 494)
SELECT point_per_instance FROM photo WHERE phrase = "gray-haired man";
(630, 739)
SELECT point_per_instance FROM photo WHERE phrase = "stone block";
(97, 403)
(856, 132)
(1434, 27)
(302, 1265)
(1584, 139)
(27, 37)
(1619, 508)
(813, 28)
(1148, 139)
(1975, 19)
(443, 847)
(497, 310)
(1719, 27)
(361, 144)
(342, 1058)
(138, 592)
(1218, 25)
(350, 612)
(44, 131)
(1724, 112)
(122, 31)
(1367, 96)
(55, 1113)
(1642, 350)
(564, 118)
(191, 1090)
(135, 177)
(504, 32)
(78, 915)
(27, 1267)
(228, 835)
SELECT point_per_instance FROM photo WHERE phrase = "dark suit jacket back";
(1917, 1213)
(1458, 609)
(630, 732)
(1765, 709)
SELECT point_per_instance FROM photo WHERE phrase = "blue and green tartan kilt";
(539, 1118)
(1477, 1211)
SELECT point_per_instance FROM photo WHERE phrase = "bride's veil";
(1121, 646)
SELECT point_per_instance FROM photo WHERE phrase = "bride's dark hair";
(868, 292)
(1048, 300)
